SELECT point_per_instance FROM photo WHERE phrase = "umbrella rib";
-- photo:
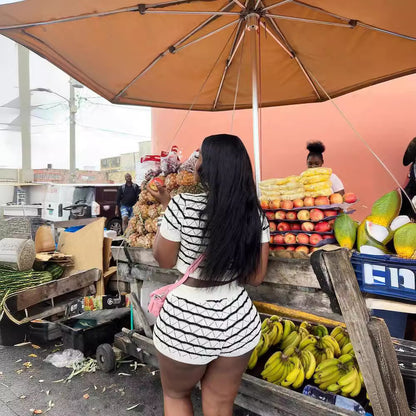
(301, 19)
(171, 49)
(389, 32)
(277, 40)
(272, 6)
(197, 13)
(239, 35)
(298, 61)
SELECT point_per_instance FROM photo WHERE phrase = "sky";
(102, 129)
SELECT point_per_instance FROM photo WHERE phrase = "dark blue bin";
(396, 321)
(386, 275)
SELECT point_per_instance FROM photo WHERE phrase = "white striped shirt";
(182, 222)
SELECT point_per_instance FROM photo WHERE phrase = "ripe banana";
(348, 378)
(333, 388)
(326, 364)
(272, 334)
(253, 360)
(291, 377)
(288, 327)
(265, 346)
(358, 386)
(292, 340)
(273, 359)
(330, 342)
(347, 349)
(309, 340)
(310, 362)
(279, 335)
(299, 379)
(345, 358)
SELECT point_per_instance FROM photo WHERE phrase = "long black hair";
(233, 214)
(315, 149)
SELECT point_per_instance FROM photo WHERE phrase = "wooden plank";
(287, 402)
(388, 364)
(140, 316)
(30, 297)
(335, 266)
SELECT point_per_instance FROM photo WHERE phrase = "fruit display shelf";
(344, 207)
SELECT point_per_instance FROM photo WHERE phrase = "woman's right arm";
(258, 277)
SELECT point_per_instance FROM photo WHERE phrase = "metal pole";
(24, 98)
(72, 138)
(252, 27)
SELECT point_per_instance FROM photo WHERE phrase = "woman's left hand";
(162, 194)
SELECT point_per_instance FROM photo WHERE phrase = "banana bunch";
(340, 334)
(347, 349)
(329, 371)
(284, 370)
(348, 385)
(322, 348)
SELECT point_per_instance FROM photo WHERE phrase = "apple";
(321, 200)
(302, 238)
(280, 215)
(317, 214)
(331, 223)
(350, 198)
(290, 238)
(273, 227)
(286, 204)
(330, 213)
(314, 239)
(291, 215)
(290, 248)
(309, 201)
(264, 203)
(302, 249)
(270, 215)
(322, 227)
(275, 204)
(278, 239)
(307, 226)
(158, 180)
(303, 215)
(336, 199)
(279, 248)
(298, 203)
(295, 226)
(283, 226)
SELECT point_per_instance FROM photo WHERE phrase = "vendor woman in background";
(315, 159)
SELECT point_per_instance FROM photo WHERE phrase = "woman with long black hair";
(208, 326)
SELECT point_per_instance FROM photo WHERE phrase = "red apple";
(290, 238)
(307, 226)
(321, 200)
(283, 226)
(309, 201)
(158, 180)
(350, 198)
(290, 248)
(280, 215)
(302, 238)
(302, 249)
(298, 203)
(279, 248)
(336, 199)
(275, 204)
(322, 227)
(314, 239)
(317, 215)
(291, 215)
(295, 226)
(278, 239)
(273, 226)
(270, 215)
(264, 203)
(331, 223)
(330, 213)
(303, 215)
(286, 204)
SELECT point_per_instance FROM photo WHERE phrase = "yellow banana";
(288, 327)
(306, 325)
(288, 351)
(345, 358)
(275, 318)
(333, 388)
(265, 346)
(259, 345)
(361, 378)
(348, 378)
(347, 348)
(273, 334)
(323, 385)
(253, 360)
(303, 332)
(277, 373)
(279, 335)
(273, 358)
(328, 340)
(265, 325)
(311, 364)
(308, 340)
(326, 364)
(336, 331)
(299, 379)
(292, 339)
(329, 353)
(291, 377)
(358, 386)
(329, 371)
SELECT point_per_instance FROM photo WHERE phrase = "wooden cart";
(328, 282)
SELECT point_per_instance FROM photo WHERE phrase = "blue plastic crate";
(385, 275)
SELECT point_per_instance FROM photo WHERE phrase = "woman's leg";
(220, 384)
(178, 380)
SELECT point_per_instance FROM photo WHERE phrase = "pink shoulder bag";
(158, 296)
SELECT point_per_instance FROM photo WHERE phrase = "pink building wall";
(384, 115)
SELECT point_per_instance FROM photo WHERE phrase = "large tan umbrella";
(205, 55)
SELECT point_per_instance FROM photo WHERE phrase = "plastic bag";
(170, 162)
(65, 358)
(189, 164)
(148, 167)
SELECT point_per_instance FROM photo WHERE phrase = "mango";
(405, 241)
(386, 208)
(345, 230)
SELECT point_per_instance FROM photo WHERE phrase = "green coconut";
(378, 232)
(364, 239)
(405, 241)
(386, 208)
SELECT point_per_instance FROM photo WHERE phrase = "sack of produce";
(170, 163)
(189, 164)
(17, 253)
(148, 167)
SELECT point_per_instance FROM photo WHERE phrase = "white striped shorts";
(198, 325)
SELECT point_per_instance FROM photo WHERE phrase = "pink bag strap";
(190, 270)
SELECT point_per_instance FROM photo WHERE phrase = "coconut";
(378, 232)
(399, 221)
(374, 251)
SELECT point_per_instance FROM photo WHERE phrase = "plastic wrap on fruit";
(189, 164)
(151, 173)
(170, 163)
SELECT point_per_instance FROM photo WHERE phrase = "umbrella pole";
(252, 27)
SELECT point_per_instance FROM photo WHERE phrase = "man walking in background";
(127, 196)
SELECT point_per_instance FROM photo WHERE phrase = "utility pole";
(72, 137)
(24, 98)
